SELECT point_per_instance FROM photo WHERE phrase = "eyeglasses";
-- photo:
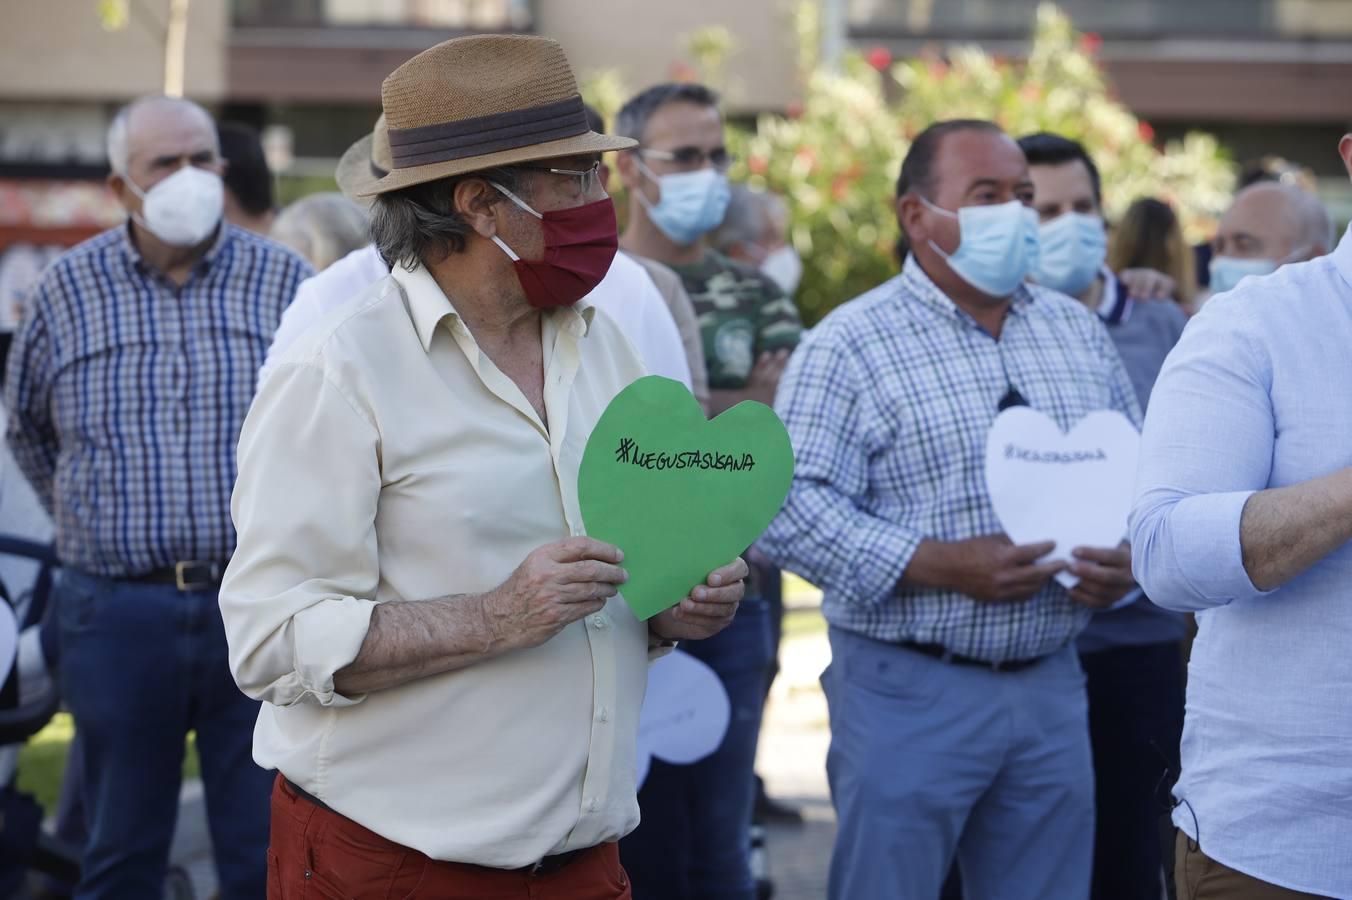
(692, 157)
(587, 179)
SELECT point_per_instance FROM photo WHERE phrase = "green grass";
(801, 623)
(43, 760)
(803, 616)
(798, 592)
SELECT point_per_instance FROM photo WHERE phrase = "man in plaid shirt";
(127, 385)
(958, 711)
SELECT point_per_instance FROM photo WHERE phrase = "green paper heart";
(679, 494)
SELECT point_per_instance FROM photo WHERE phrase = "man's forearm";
(407, 641)
(1284, 531)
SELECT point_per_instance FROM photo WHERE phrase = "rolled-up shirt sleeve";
(299, 591)
(1206, 448)
(825, 531)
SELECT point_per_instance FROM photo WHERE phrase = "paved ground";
(792, 760)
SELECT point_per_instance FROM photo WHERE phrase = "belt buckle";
(181, 570)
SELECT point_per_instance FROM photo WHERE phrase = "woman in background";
(1150, 237)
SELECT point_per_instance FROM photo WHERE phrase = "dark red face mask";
(580, 244)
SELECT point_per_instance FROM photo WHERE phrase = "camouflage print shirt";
(741, 313)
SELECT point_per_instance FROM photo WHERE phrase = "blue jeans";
(1135, 726)
(694, 841)
(930, 761)
(141, 666)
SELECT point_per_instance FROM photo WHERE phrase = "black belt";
(189, 575)
(943, 654)
(546, 866)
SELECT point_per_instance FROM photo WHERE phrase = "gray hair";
(419, 223)
(1312, 229)
(118, 152)
(323, 228)
(749, 212)
(633, 116)
(1316, 224)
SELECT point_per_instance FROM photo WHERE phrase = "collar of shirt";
(1342, 256)
(1115, 307)
(921, 286)
(218, 247)
(428, 305)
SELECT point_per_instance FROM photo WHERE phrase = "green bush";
(836, 159)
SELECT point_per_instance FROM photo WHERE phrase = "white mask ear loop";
(136, 189)
(651, 176)
(952, 215)
(517, 200)
(511, 254)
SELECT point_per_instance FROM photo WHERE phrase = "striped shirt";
(126, 394)
(888, 402)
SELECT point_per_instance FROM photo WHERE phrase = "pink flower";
(879, 58)
(757, 165)
(1146, 132)
(683, 72)
(1090, 42)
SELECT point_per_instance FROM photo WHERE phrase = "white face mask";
(997, 245)
(784, 267)
(1071, 250)
(1228, 271)
(183, 209)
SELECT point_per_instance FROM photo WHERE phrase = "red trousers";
(317, 854)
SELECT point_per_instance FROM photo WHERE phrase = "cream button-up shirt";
(388, 458)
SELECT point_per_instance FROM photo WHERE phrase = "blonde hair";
(1150, 237)
(323, 228)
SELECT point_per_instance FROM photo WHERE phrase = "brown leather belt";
(189, 575)
(943, 654)
(546, 866)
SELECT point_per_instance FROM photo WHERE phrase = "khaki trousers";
(1199, 877)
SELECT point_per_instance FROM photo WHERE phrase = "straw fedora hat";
(364, 163)
(477, 102)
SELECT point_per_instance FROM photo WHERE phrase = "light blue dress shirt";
(1257, 394)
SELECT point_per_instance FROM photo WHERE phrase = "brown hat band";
(487, 134)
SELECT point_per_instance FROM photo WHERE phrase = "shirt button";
(603, 714)
(600, 623)
(592, 805)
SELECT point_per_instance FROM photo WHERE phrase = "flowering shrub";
(836, 157)
(836, 154)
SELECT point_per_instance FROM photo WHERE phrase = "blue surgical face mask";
(1227, 271)
(997, 245)
(1071, 250)
(692, 203)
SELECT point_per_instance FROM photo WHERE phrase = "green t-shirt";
(741, 315)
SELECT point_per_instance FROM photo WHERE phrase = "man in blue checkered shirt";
(126, 386)
(958, 711)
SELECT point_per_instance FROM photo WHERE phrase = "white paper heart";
(685, 712)
(1074, 489)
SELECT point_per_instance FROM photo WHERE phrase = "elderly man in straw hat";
(451, 686)
(628, 293)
